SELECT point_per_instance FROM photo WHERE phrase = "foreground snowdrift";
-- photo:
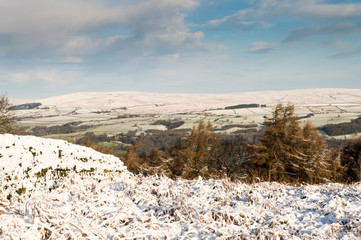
(123, 206)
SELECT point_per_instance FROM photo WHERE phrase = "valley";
(120, 112)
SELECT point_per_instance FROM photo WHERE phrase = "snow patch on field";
(123, 206)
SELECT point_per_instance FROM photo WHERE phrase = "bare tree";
(8, 123)
(351, 161)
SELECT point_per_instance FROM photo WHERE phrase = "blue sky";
(51, 47)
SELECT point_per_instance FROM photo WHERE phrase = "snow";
(22, 158)
(161, 103)
(111, 203)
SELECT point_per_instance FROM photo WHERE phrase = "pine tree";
(288, 152)
(195, 156)
(131, 159)
(271, 156)
(316, 158)
(87, 142)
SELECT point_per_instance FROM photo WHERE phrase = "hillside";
(148, 103)
(113, 113)
(110, 203)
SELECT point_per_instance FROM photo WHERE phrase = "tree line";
(284, 152)
(66, 128)
(342, 128)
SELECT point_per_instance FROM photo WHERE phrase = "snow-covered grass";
(29, 163)
(115, 204)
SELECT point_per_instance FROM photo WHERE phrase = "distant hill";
(145, 102)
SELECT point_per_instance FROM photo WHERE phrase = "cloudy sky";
(50, 47)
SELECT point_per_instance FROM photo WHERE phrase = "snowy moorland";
(50, 189)
(113, 113)
(170, 103)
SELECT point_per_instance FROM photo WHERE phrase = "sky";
(50, 47)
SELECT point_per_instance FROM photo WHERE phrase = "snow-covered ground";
(31, 163)
(110, 203)
(166, 103)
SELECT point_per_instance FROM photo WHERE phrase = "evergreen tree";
(271, 156)
(195, 156)
(316, 159)
(288, 152)
(131, 159)
(101, 147)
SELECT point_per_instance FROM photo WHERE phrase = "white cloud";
(41, 23)
(42, 27)
(241, 14)
(70, 60)
(50, 77)
(345, 10)
(55, 77)
(317, 9)
(314, 31)
(18, 77)
(338, 43)
(251, 25)
(346, 54)
(82, 45)
(261, 47)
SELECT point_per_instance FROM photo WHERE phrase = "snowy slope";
(36, 163)
(144, 102)
(123, 206)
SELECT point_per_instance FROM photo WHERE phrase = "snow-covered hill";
(30, 163)
(110, 203)
(144, 102)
